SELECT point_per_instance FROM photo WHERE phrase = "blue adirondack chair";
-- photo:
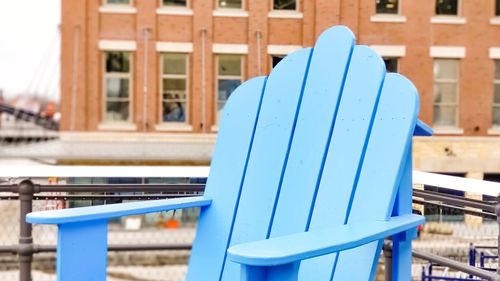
(311, 171)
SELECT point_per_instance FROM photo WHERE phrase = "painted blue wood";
(381, 171)
(401, 244)
(227, 171)
(105, 212)
(269, 153)
(422, 129)
(82, 251)
(299, 246)
(285, 272)
(320, 101)
(345, 153)
(314, 146)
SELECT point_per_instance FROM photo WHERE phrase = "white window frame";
(385, 14)
(496, 81)
(453, 129)
(286, 14)
(218, 77)
(297, 7)
(105, 124)
(105, 3)
(113, 8)
(174, 10)
(392, 51)
(188, 5)
(449, 19)
(218, 7)
(175, 125)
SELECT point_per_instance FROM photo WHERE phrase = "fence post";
(388, 261)
(25, 251)
(497, 213)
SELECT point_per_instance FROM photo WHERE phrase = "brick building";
(164, 68)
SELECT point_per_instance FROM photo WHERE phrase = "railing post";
(388, 262)
(25, 251)
(497, 213)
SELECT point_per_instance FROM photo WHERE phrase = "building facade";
(168, 66)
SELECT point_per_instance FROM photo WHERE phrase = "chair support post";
(401, 245)
(82, 251)
(285, 272)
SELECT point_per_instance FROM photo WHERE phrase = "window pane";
(232, 4)
(118, 2)
(497, 94)
(284, 5)
(444, 116)
(445, 92)
(117, 87)
(118, 62)
(225, 88)
(174, 111)
(496, 116)
(276, 60)
(387, 6)
(497, 68)
(174, 84)
(446, 69)
(447, 7)
(179, 3)
(174, 64)
(497, 7)
(391, 64)
(117, 111)
(229, 65)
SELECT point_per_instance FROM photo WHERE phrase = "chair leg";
(401, 243)
(82, 251)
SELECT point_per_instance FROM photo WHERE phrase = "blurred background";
(141, 83)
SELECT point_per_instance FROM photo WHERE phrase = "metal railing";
(26, 192)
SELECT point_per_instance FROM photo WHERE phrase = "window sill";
(495, 21)
(448, 20)
(174, 11)
(234, 13)
(388, 18)
(172, 126)
(495, 131)
(117, 126)
(448, 131)
(117, 9)
(215, 128)
(285, 15)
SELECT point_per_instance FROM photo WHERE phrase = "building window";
(497, 7)
(391, 64)
(447, 7)
(230, 4)
(174, 90)
(118, 2)
(387, 6)
(229, 77)
(445, 92)
(285, 5)
(117, 86)
(275, 60)
(174, 3)
(496, 95)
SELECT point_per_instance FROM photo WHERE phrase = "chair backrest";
(322, 141)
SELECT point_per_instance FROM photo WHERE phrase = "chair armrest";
(300, 246)
(104, 212)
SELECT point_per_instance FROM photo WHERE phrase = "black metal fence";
(27, 192)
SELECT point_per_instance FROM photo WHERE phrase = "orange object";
(172, 223)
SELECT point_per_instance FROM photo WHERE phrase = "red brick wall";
(418, 34)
